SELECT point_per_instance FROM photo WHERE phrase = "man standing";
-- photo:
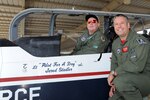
(92, 40)
(130, 65)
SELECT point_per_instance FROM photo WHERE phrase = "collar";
(129, 37)
(123, 41)
(97, 31)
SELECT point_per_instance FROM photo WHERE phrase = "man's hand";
(112, 90)
(111, 77)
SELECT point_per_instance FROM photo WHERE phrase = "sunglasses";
(92, 21)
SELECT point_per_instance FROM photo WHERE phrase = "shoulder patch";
(141, 41)
(84, 37)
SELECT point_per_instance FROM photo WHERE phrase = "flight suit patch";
(83, 38)
(141, 41)
(125, 49)
(103, 38)
(95, 46)
(118, 51)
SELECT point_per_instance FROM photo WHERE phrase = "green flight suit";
(131, 61)
(90, 44)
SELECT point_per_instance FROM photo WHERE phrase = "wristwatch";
(112, 72)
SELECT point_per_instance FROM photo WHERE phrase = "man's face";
(92, 25)
(121, 26)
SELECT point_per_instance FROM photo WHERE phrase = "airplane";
(32, 68)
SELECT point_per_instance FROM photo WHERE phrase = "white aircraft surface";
(32, 69)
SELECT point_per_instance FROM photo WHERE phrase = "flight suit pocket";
(132, 55)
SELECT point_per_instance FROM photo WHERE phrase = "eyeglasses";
(92, 21)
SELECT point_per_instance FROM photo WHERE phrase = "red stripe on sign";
(52, 76)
